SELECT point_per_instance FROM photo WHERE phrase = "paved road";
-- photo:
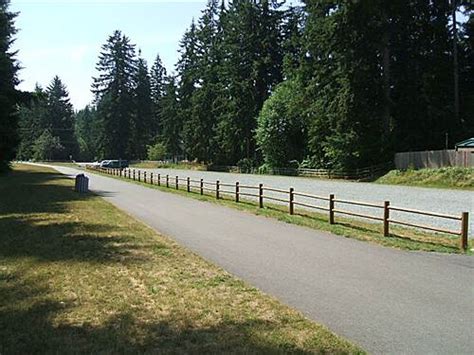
(386, 300)
(428, 199)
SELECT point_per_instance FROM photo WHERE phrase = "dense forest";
(8, 81)
(328, 84)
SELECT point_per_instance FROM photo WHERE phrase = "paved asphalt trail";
(385, 300)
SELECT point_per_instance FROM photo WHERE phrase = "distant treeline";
(330, 84)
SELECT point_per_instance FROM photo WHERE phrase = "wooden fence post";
(151, 178)
(386, 216)
(237, 188)
(201, 185)
(292, 199)
(144, 177)
(464, 230)
(167, 180)
(159, 179)
(188, 184)
(177, 182)
(133, 174)
(331, 209)
(139, 175)
(260, 195)
(217, 189)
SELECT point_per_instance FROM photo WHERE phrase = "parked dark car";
(114, 164)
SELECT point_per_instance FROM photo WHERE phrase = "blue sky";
(64, 37)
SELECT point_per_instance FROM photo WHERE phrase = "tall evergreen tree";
(8, 94)
(199, 122)
(33, 119)
(344, 87)
(157, 87)
(187, 73)
(171, 123)
(422, 81)
(292, 29)
(114, 94)
(466, 72)
(87, 131)
(252, 66)
(60, 119)
(141, 128)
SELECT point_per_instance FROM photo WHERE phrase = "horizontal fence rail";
(328, 204)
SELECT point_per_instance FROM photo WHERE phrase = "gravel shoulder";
(428, 199)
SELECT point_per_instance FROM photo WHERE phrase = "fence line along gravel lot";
(428, 199)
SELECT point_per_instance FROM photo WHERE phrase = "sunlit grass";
(451, 178)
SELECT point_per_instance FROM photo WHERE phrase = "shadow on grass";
(36, 221)
(64, 241)
(35, 191)
(33, 321)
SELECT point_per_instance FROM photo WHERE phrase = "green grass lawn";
(400, 237)
(77, 275)
(449, 178)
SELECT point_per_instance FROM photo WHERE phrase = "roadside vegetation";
(164, 165)
(400, 237)
(450, 178)
(80, 276)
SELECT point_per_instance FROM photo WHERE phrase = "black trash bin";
(82, 183)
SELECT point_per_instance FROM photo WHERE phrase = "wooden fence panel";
(434, 159)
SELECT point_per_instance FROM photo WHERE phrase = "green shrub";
(156, 151)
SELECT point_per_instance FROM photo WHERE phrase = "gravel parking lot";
(428, 199)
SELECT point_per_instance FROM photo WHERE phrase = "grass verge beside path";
(80, 276)
(66, 164)
(401, 238)
(448, 178)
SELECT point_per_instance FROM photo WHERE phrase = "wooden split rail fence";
(293, 199)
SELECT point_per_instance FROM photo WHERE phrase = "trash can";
(82, 183)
